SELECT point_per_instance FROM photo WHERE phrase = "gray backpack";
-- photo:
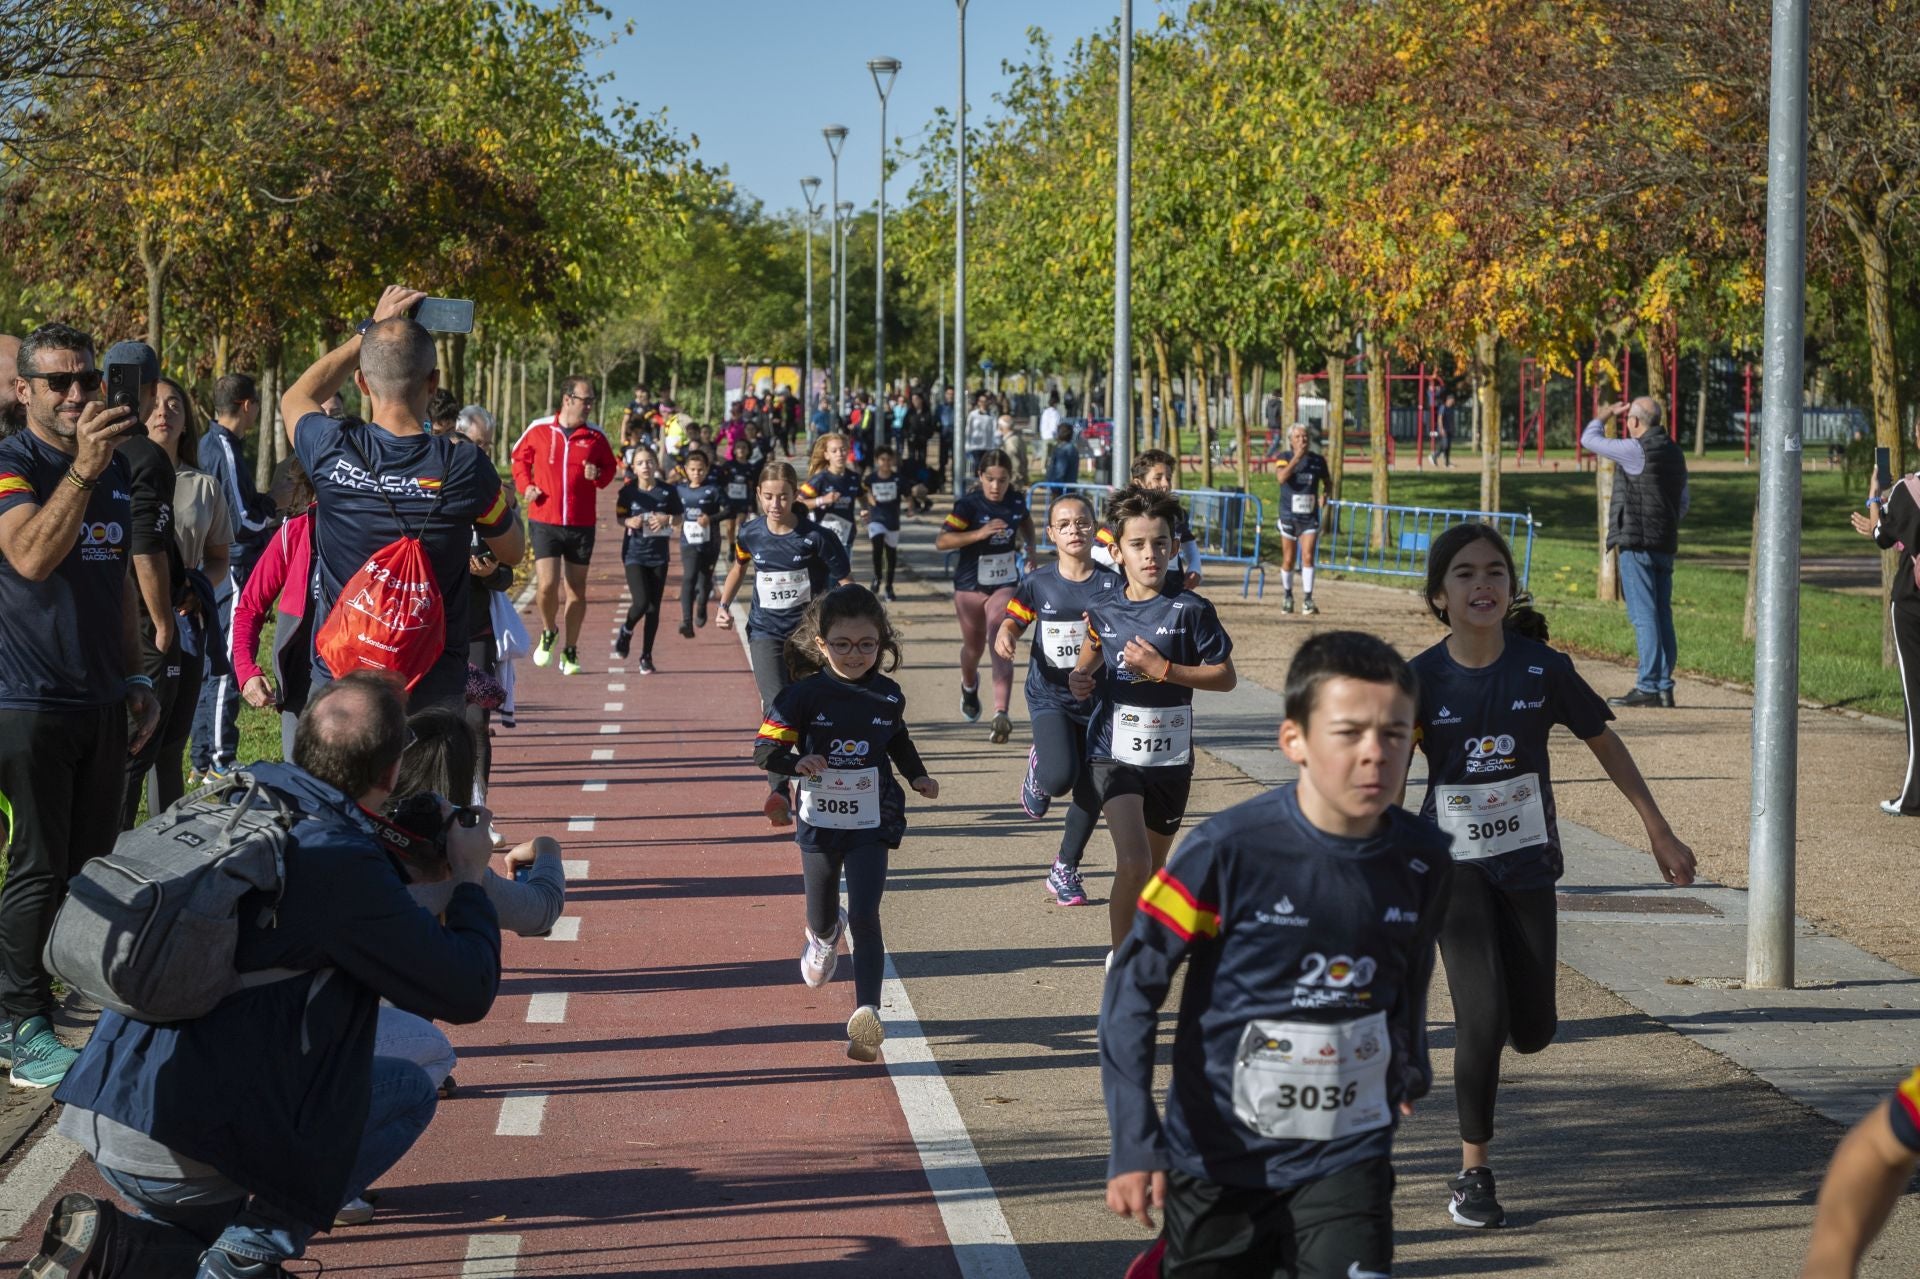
(149, 930)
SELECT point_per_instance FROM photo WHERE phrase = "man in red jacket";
(559, 466)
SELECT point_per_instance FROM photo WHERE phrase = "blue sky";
(756, 80)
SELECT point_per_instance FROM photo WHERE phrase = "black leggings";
(648, 585)
(866, 871)
(1059, 766)
(696, 582)
(885, 556)
(485, 654)
(1906, 651)
(768, 654)
(1500, 953)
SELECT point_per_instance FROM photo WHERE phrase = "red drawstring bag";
(389, 616)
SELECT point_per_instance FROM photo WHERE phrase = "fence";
(1226, 526)
(1347, 544)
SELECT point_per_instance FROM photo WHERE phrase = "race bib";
(1492, 818)
(997, 570)
(841, 799)
(782, 590)
(885, 491)
(737, 491)
(840, 528)
(1153, 736)
(665, 530)
(1061, 642)
(1305, 503)
(1305, 1081)
(694, 533)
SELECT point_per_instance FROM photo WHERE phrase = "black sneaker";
(686, 630)
(218, 1263)
(1473, 1203)
(623, 642)
(970, 703)
(1307, 603)
(646, 666)
(891, 597)
(1642, 697)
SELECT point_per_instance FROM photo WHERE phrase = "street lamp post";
(809, 188)
(845, 210)
(884, 70)
(836, 136)
(1123, 260)
(960, 251)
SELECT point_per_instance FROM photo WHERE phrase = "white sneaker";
(819, 957)
(865, 1033)
(357, 1212)
(1109, 967)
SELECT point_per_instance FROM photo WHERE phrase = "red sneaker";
(778, 810)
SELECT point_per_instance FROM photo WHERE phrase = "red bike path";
(691, 1110)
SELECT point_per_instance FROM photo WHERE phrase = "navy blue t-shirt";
(994, 563)
(441, 490)
(861, 729)
(1484, 734)
(789, 570)
(1305, 489)
(1302, 1024)
(62, 642)
(643, 545)
(1153, 717)
(1055, 607)
(707, 499)
(736, 482)
(885, 495)
(832, 502)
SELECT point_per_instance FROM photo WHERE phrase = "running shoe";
(777, 809)
(569, 662)
(1109, 964)
(448, 1087)
(1473, 1203)
(76, 1241)
(686, 630)
(970, 703)
(355, 1212)
(820, 954)
(1002, 728)
(1891, 807)
(1286, 602)
(646, 665)
(891, 597)
(865, 1033)
(1308, 606)
(875, 586)
(700, 614)
(507, 720)
(623, 642)
(1063, 881)
(543, 652)
(40, 1060)
(1033, 800)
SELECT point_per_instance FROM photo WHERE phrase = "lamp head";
(810, 187)
(884, 70)
(835, 134)
(846, 208)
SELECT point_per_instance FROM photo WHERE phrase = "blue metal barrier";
(1347, 544)
(1226, 526)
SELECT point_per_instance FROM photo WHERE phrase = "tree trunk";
(547, 405)
(1657, 389)
(1242, 444)
(520, 407)
(155, 266)
(1699, 408)
(495, 386)
(1607, 580)
(1207, 428)
(1486, 373)
(1201, 405)
(1378, 419)
(222, 351)
(1750, 623)
(1289, 388)
(1166, 389)
(1337, 413)
(1143, 436)
(269, 425)
(457, 367)
(1869, 227)
(673, 381)
(706, 412)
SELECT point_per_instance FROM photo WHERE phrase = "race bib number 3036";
(1312, 1081)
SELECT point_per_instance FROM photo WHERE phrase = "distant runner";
(559, 465)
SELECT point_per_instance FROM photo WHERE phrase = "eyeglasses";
(585, 399)
(61, 383)
(846, 648)
(1076, 526)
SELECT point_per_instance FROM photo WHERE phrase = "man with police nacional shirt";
(73, 695)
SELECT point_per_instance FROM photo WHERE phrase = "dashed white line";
(593, 788)
(616, 688)
(608, 729)
(33, 1178)
(580, 823)
(575, 871)
(567, 927)
(614, 708)
(547, 1009)
(603, 755)
(521, 1115)
(492, 1257)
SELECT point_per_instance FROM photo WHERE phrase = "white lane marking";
(608, 729)
(492, 1257)
(521, 1114)
(547, 1009)
(593, 788)
(614, 708)
(603, 755)
(566, 928)
(982, 1243)
(575, 871)
(33, 1178)
(616, 688)
(580, 823)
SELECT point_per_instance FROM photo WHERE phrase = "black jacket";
(1645, 513)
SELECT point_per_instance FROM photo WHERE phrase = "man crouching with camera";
(236, 1135)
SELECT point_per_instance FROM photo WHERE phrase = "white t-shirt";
(1049, 423)
(980, 430)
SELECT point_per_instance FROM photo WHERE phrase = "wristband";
(141, 681)
(85, 486)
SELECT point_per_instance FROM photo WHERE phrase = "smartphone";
(123, 388)
(1883, 467)
(445, 315)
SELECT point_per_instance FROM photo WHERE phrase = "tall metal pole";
(1123, 259)
(884, 70)
(941, 381)
(846, 246)
(836, 136)
(960, 260)
(809, 188)
(1776, 654)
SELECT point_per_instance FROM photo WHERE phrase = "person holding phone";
(1892, 520)
(1650, 499)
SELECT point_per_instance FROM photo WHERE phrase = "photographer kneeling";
(241, 1132)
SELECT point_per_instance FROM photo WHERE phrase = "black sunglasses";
(61, 383)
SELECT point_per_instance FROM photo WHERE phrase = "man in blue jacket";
(194, 1123)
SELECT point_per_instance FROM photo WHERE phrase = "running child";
(735, 475)
(794, 560)
(883, 520)
(841, 729)
(1490, 695)
(1058, 596)
(650, 509)
(702, 506)
(1152, 470)
(1304, 481)
(832, 494)
(983, 526)
(1140, 735)
(1305, 917)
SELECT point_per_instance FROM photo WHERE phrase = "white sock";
(1306, 580)
(1286, 581)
